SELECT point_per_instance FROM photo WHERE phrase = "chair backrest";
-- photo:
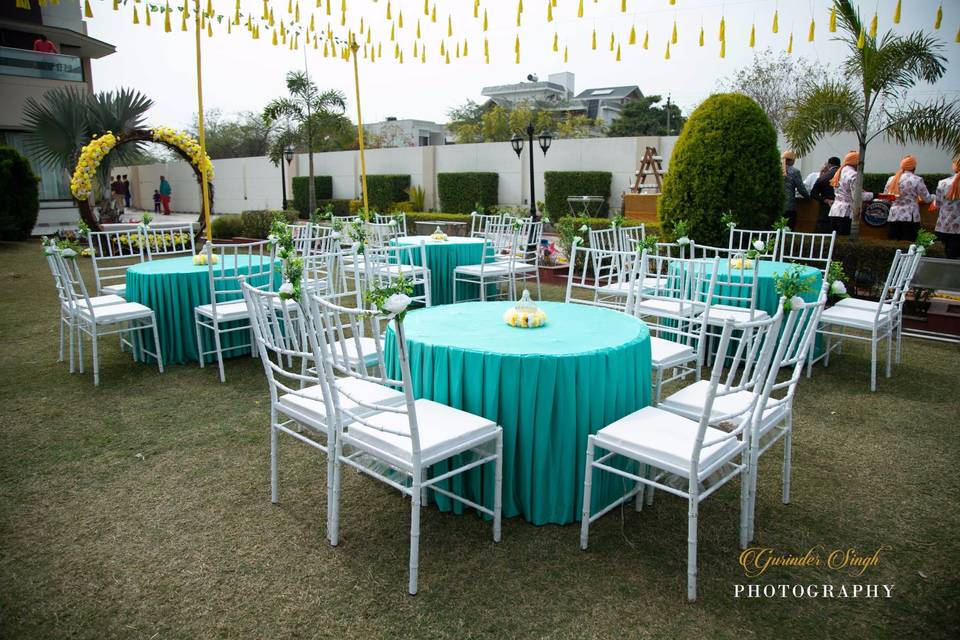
(112, 253)
(169, 241)
(738, 282)
(480, 224)
(528, 241)
(228, 263)
(814, 249)
(59, 281)
(399, 220)
(743, 240)
(630, 237)
(708, 252)
(322, 267)
(689, 284)
(380, 234)
(302, 234)
(751, 359)
(604, 239)
(895, 287)
(285, 349)
(71, 279)
(383, 266)
(595, 275)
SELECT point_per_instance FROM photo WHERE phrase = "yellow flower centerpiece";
(526, 314)
(740, 262)
(201, 259)
(438, 235)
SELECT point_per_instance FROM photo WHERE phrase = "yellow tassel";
(458, 50)
(517, 60)
(296, 13)
(666, 56)
(593, 44)
(936, 22)
(861, 39)
(209, 29)
(580, 10)
(476, 8)
(776, 22)
(443, 48)
(633, 35)
(271, 21)
(416, 53)
(723, 48)
(753, 35)
(723, 29)
(389, 17)
(401, 57)
(426, 7)
(484, 20)
(516, 45)
(361, 26)
(343, 19)
(957, 39)
(136, 18)
(646, 39)
(449, 26)
(556, 43)
(464, 47)
(289, 6)
(618, 53)
(833, 20)
(328, 6)
(147, 15)
(623, 6)
(369, 35)
(87, 11)
(274, 37)
(418, 28)
(896, 13)
(813, 28)
(519, 12)
(549, 11)
(673, 37)
(183, 24)
(392, 36)
(873, 26)
(566, 54)
(433, 14)
(790, 45)
(116, 4)
(423, 55)
(612, 41)
(701, 36)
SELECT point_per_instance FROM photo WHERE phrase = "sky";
(241, 74)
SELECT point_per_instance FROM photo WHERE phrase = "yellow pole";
(363, 162)
(203, 142)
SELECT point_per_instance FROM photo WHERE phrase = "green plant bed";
(462, 192)
(559, 185)
(323, 190)
(249, 224)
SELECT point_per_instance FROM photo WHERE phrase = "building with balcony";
(25, 73)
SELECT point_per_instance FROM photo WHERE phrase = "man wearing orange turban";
(844, 181)
(948, 200)
(904, 217)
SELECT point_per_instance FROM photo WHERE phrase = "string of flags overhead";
(329, 26)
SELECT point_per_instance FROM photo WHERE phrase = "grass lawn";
(141, 509)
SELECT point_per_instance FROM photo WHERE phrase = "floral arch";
(181, 143)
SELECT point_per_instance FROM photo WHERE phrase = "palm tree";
(67, 119)
(312, 110)
(878, 72)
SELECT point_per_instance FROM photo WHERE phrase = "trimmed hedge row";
(323, 188)
(341, 206)
(386, 189)
(866, 262)
(249, 224)
(461, 192)
(561, 184)
(876, 182)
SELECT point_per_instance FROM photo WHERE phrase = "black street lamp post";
(545, 139)
(288, 155)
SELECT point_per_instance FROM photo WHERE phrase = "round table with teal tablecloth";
(549, 388)
(767, 271)
(443, 256)
(173, 288)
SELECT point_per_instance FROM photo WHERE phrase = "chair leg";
(274, 471)
(156, 342)
(498, 489)
(539, 292)
(199, 328)
(334, 507)
(747, 493)
(587, 485)
(79, 348)
(62, 337)
(96, 360)
(692, 548)
(873, 362)
(216, 341)
(73, 331)
(889, 351)
(414, 536)
(641, 494)
(787, 458)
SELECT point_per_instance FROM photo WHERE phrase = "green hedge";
(384, 190)
(866, 262)
(19, 204)
(461, 192)
(876, 182)
(341, 206)
(726, 159)
(323, 188)
(560, 184)
(249, 224)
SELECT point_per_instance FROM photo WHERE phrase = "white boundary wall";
(254, 183)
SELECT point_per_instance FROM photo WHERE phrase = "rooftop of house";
(607, 93)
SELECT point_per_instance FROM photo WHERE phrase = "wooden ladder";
(650, 165)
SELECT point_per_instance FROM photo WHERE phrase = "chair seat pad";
(101, 301)
(664, 353)
(864, 305)
(622, 287)
(116, 312)
(226, 311)
(401, 270)
(488, 269)
(443, 431)
(665, 440)
(524, 267)
(721, 312)
(690, 400)
(855, 318)
(661, 307)
(114, 289)
(307, 407)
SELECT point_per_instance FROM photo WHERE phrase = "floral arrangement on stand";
(438, 235)
(292, 265)
(617, 221)
(81, 184)
(188, 144)
(201, 259)
(792, 284)
(68, 247)
(391, 300)
(781, 224)
(525, 314)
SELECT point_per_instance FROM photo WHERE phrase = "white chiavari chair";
(743, 240)
(396, 444)
(597, 276)
(813, 249)
(632, 237)
(386, 265)
(687, 458)
(483, 226)
(112, 253)
(166, 242)
(492, 272)
(604, 239)
(226, 314)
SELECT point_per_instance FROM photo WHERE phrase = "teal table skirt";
(549, 388)
(173, 288)
(442, 258)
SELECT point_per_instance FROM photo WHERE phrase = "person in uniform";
(904, 217)
(843, 183)
(792, 184)
(948, 201)
(822, 192)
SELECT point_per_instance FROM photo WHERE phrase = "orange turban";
(909, 163)
(852, 159)
(953, 193)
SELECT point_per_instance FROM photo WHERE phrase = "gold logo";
(756, 561)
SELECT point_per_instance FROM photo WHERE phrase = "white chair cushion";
(102, 301)
(115, 289)
(721, 312)
(443, 431)
(524, 267)
(116, 312)
(488, 269)
(622, 288)
(306, 405)
(664, 353)
(690, 400)
(665, 440)
(659, 307)
(865, 305)
(226, 311)
(400, 269)
(855, 318)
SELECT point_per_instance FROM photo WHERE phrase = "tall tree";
(244, 135)
(312, 111)
(869, 100)
(472, 122)
(644, 118)
(775, 80)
